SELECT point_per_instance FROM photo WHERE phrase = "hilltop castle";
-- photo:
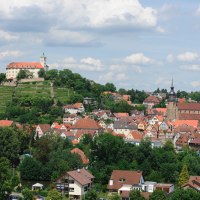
(14, 68)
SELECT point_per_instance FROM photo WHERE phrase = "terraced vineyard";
(6, 93)
(63, 94)
(38, 89)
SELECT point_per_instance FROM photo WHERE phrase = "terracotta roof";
(75, 141)
(45, 127)
(130, 177)
(193, 123)
(86, 123)
(81, 154)
(152, 99)
(184, 128)
(82, 176)
(195, 141)
(189, 106)
(194, 182)
(185, 116)
(24, 65)
(161, 110)
(4, 123)
(136, 135)
(181, 100)
(118, 115)
(126, 97)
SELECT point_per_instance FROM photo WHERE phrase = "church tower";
(172, 109)
(43, 60)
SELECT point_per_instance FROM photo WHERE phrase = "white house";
(74, 108)
(76, 183)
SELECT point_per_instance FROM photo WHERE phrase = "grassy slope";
(39, 89)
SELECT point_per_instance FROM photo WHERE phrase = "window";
(122, 179)
(85, 188)
(71, 181)
(71, 189)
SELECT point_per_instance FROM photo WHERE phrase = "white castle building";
(14, 68)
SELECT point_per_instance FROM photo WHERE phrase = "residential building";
(74, 108)
(76, 183)
(6, 123)
(193, 183)
(42, 129)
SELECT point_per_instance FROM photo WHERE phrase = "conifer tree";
(184, 176)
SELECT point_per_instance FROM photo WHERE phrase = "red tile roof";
(152, 99)
(189, 106)
(81, 175)
(86, 123)
(185, 116)
(44, 127)
(161, 110)
(194, 182)
(130, 177)
(193, 123)
(118, 115)
(81, 154)
(4, 123)
(24, 65)
(136, 135)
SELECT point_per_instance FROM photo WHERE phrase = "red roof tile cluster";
(121, 177)
(185, 116)
(119, 115)
(81, 154)
(193, 123)
(25, 65)
(194, 182)
(152, 99)
(74, 106)
(189, 106)
(4, 123)
(45, 127)
(86, 123)
(126, 97)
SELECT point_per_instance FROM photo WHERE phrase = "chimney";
(111, 182)
(78, 170)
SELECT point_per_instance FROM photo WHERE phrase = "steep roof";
(81, 154)
(193, 123)
(81, 175)
(124, 125)
(86, 123)
(152, 99)
(129, 177)
(194, 182)
(118, 115)
(44, 127)
(24, 65)
(189, 106)
(4, 123)
(186, 116)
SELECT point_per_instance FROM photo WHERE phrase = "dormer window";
(122, 180)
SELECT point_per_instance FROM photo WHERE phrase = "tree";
(158, 195)
(22, 74)
(2, 77)
(135, 195)
(10, 144)
(42, 73)
(54, 195)
(5, 183)
(184, 175)
(91, 195)
(181, 194)
(110, 87)
(28, 194)
(115, 197)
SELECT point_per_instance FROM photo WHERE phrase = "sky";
(139, 44)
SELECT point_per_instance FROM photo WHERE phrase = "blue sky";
(134, 44)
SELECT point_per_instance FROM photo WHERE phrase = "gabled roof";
(86, 123)
(124, 125)
(136, 135)
(4, 123)
(152, 99)
(194, 182)
(45, 127)
(193, 123)
(24, 65)
(118, 115)
(81, 175)
(129, 177)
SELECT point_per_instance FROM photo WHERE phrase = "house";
(151, 101)
(70, 118)
(124, 180)
(193, 183)
(166, 187)
(82, 155)
(74, 108)
(14, 68)
(86, 124)
(123, 127)
(76, 183)
(6, 123)
(117, 116)
(41, 130)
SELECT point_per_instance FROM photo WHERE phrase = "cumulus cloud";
(121, 77)
(85, 64)
(107, 77)
(195, 83)
(187, 56)
(138, 58)
(170, 58)
(7, 36)
(10, 54)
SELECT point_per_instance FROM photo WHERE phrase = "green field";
(6, 93)
(62, 94)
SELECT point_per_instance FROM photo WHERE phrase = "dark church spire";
(172, 94)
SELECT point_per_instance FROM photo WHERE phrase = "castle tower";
(172, 109)
(43, 60)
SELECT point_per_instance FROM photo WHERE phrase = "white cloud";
(194, 67)
(195, 83)
(187, 56)
(160, 29)
(10, 54)
(7, 36)
(138, 58)
(198, 11)
(170, 58)
(69, 60)
(117, 68)
(92, 61)
(107, 77)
